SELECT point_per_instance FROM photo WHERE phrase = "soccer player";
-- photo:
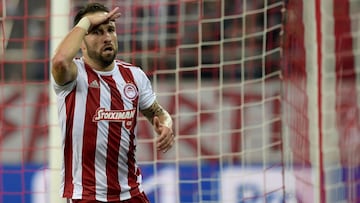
(99, 99)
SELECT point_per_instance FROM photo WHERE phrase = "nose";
(107, 36)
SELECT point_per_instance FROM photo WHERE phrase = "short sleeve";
(63, 90)
(147, 95)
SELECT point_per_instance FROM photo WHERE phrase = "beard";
(103, 58)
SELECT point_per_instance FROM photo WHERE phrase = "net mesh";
(215, 66)
(320, 99)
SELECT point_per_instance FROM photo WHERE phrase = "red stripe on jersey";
(133, 171)
(68, 152)
(114, 137)
(89, 137)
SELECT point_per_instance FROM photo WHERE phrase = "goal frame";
(59, 16)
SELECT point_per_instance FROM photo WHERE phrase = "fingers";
(112, 15)
(101, 17)
(165, 140)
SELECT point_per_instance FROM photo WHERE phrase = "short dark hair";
(89, 8)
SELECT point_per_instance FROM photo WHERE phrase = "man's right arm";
(63, 68)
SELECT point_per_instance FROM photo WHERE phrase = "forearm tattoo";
(154, 110)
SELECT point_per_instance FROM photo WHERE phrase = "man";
(99, 98)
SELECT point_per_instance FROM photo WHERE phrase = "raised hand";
(101, 17)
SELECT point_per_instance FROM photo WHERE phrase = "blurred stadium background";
(265, 95)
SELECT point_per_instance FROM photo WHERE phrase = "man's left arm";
(162, 123)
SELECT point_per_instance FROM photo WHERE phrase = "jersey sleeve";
(63, 90)
(147, 96)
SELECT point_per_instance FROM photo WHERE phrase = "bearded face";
(101, 44)
(103, 56)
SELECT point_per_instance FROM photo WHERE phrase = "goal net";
(321, 99)
(264, 95)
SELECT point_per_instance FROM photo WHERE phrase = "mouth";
(108, 49)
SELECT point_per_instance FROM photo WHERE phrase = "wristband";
(168, 121)
(84, 23)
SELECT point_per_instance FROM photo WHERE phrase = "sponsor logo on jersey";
(102, 114)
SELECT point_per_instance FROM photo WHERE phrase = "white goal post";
(59, 27)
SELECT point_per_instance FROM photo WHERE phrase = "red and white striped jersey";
(98, 120)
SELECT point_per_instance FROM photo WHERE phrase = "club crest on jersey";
(126, 116)
(130, 91)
